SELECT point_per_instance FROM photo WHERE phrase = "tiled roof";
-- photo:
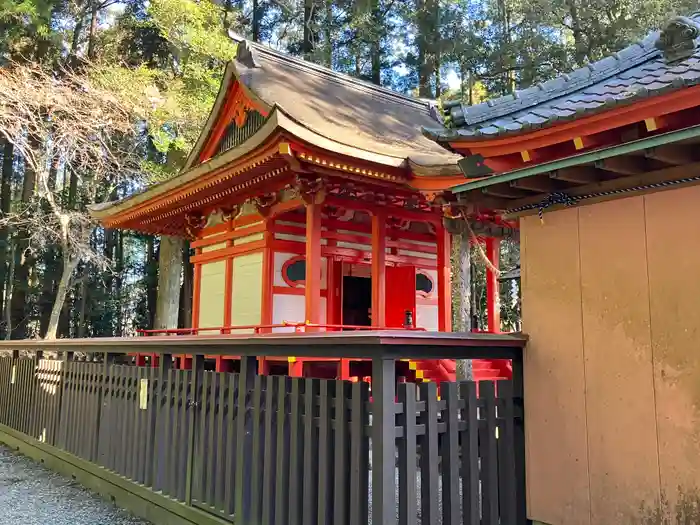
(663, 61)
(342, 108)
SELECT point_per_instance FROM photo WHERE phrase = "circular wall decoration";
(424, 284)
(294, 271)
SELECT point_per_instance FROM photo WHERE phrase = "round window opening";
(294, 271)
(424, 284)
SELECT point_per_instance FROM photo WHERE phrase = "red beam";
(313, 263)
(378, 269)
(493, 296)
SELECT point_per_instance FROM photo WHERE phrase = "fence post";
(383, 441)
(519, 439)
(197, 370)
(243, 440)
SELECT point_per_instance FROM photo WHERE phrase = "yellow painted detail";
(419, 374)
(525, 155)
(285, 148)
(246, 296)
(651, 124)
(413, 365)
(578, 143)
(292, 359)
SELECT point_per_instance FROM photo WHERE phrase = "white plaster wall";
(281, 258)
(291, 308)
(427, 317)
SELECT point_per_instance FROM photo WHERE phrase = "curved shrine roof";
(663, 61)
(343, 109)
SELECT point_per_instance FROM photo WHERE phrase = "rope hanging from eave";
(569, 200)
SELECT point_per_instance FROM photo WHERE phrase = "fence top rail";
(367, 345)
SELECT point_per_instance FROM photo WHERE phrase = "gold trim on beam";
(349, 168)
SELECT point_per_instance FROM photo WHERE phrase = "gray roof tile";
(640, 70)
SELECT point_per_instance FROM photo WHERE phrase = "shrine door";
(400, 295)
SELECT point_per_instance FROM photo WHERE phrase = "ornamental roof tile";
(662, 61)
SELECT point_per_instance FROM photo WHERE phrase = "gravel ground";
(32, 495)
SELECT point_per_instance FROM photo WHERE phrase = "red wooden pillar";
(379, 270)
(268, 276)
(443, 279)
(493, 296)
(313, 263)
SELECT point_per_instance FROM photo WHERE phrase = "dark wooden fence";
(281, 450)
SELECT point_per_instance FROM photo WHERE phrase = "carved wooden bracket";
(263, 204)
(398, 224)
(194, 222)
(311, 191)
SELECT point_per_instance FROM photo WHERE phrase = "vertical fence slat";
(282, 452)
(193, 408)
(182, 428)
(296, 450)
(489, 459)
(506, 452)
(231, 443)
(429, 455)
(200, 475)
(169, 429)
(450, 456)
(469, 439)
(359, 454)
(274, 400)
(243, 463)
(324, 491)
(256, 474)
(408, 466)
(210, 456)
(341, 452)
(310, 452)
(221, 436)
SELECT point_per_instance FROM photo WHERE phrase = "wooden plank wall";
(610, 302)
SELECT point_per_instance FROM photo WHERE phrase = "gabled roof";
(663, 61)
(338, 108)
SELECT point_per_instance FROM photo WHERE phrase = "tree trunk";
(93, 30)
(328, 34)
(462, 291)
(82, 302)
(24, 261)
(427, 45)
(151, 282)
(69, 266)
(376, 43)
(77, 31)
(257, 20)
(307, 47)
(187, 288)
(7, 313)
(5, 202)
(169, 277)
(119, 282)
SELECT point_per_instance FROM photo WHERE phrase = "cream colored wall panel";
(555, 404)
(214, 247)
(246, 296)
(211, 295)
(248, 238)
(624, 472)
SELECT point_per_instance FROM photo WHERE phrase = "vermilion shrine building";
(601, 169)
(311, 197)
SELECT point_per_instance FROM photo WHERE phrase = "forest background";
(99, 98)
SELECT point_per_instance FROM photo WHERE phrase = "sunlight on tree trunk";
(169, 280)
(461, 288)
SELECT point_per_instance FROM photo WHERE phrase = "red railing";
(264, 328)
